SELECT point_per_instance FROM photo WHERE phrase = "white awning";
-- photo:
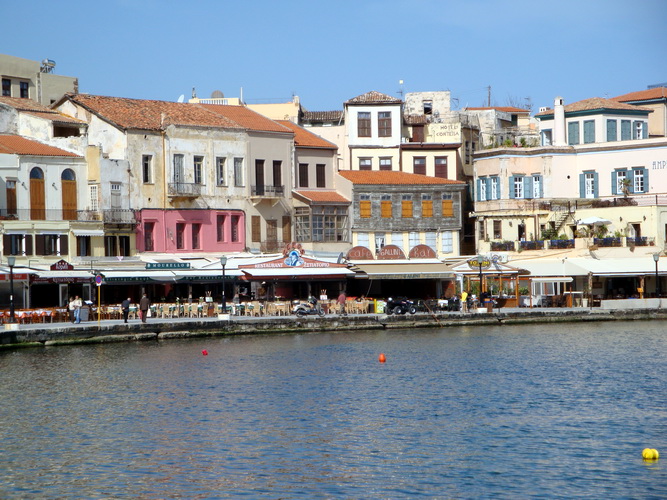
(88, 232)
(298, 272)
(403, 271)
(65, 274)
(553, 279)
(136, 275)
(205, 274)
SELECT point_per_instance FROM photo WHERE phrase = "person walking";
(464, 301)
(144, 305)
(77, 309)
(125, 306)
(70, 308)
(341, 303)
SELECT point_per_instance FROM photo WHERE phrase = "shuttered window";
(406, 206)
(589, 132)
(419, 165)
(441, 167)
(385, 207)
(612, 130)
(287, 228)
(573, 133)
(384, 123)
(447, 205)
(364, 206)
(256, 229)
(427, 205)
(364, 124)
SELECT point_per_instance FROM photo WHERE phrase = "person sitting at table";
(125, 306)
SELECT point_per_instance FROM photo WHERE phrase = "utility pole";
(489, 95)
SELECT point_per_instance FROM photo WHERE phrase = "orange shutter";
(365, 208)
(447, 208)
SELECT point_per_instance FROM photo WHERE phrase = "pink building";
(191, 230)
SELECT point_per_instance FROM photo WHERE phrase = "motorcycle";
(310, 308)
(400, 305)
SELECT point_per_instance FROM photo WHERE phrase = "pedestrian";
(464, 301)
(77, 309)
(70, 308)
(341, 302)
(144, 305)
(125, 306)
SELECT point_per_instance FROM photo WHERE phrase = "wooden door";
(69, 200)
(37, 200)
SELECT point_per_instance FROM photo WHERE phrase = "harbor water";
(549, 411)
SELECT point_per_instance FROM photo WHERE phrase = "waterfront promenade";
(114, 330)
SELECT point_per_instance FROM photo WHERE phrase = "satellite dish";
(181, 98)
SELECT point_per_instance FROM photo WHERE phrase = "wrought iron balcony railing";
(187, 189)
(269, 191)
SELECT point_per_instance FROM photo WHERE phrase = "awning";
(137, 276)
(553, 279)
(403, 271)
(299, 273)
(63, 277)
(88, 232)
(206, 275)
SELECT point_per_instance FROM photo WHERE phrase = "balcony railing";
(270, 191)
(50, 214)
(531, 245)
(502, 246)
(119, 216)
(561, 243)
(607, 242)
(642, 241)
(187, 189)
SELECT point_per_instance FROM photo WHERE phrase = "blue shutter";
(589, 132)
(596, 185)
(645, 130)
(582, 186)
(541, 186)
(498, 188)
(528, 187)
(511, 186)
(488, 188)
(573, 133)
(630, 176)
(479, 189)
(611, 130)
(614, 182)
(646, 187)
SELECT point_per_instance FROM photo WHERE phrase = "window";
(364, 206)
(124, 246)
(419, 165)
(302, 224)
(259, 178)
(482, 231)
(147, 169)
(365, 164)
(441, 167)
(447, 205)
(413, 239)
(384, 123)
(179, 175)
(47, 244)
(6, 87)
(546, 137)
(639, 130)
(495, 188)
(14, 244)
(364, 124)
(427, 106)
(589, 132)
(238, 172)
(481, 189)
(397, 239)
(321, 223)
(94, 197)
(537, 186)
(385, 206)
(303, 175)
(448, 241)
(517, 182)
(612, 130)
(236, 220)
(110, 246)
(427, 205)
(198, 165)
(180, 236)
(196, 234)
(497, 230)
(362, 239)
(573, 133)
(431, 239)
(220, 171)
(640, 180)
(620, 184)
(287, 228)
(11, 197)
(220, 227)
(23, 88)
(277, 174)
(588, 185)
(385, 163)
(83, 248)
(115, 195)
(626, 130)
(149, 243)
(380, 239)
(256, 229)
(320, 175)
(406, 205)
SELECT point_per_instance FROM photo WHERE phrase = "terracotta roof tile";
(391, 177)
(374, 97)
(145, 114)
(17, 145)
(305, 138)
(595, 103)
(643, 95)
(322, 116)
(245, 117)
(56, 117)
(322, 196)
(33, 108)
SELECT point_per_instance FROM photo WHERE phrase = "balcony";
(607, 242)
(184, 190)
(50, 214)
(502, 246)
(267, 191)
(119, 216)
(642, 241)
(532, 245)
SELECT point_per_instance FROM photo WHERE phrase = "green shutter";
(645, 130)
(589, 132)
(573, 133)
(626, 130)
(488, 189)
(611, 130)
(528, 187)
(511, 186)
(582, 186)
(479, 189)
(614, 182)
(646, 189)
(596, 185)
(630, 176)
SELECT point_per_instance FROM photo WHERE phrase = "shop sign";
(62, 265)
(390, 252)
(167, 265)
(422, 252)
(479, 262)
(359, 253)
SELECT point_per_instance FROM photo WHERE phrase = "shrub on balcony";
(502, 246)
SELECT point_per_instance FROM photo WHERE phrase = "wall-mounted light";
(644, 217)
(54, 185)
(620, 219)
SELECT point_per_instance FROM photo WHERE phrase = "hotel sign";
(168, 265)
(444, 132)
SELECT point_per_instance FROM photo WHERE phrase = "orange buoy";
(382, 358)
(204, 352)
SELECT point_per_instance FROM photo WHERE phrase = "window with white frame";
(362, 239)
(431, 238)
(537, 186)
(482, 189)
(518, 186)
(589, 184)
(179, 174)
(413, 239)
(379, 241)
(220, 171)
(495, 187)
(116, 188)
(198, 164)
(447, 239)
(94, 197)
(638, 180)
(621, 184)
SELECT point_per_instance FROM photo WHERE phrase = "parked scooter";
(312, 307)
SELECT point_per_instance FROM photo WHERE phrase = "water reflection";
(555, 411)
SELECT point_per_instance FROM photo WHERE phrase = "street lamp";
(11, 261)
(656, 258)
(223, 262)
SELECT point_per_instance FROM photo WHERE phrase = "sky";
(527, 51)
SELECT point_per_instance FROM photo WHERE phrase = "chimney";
(559, 123)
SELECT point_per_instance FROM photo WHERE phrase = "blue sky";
(328, 52)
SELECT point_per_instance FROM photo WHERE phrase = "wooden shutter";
(365, 208)
(448, 208)
(277, 173)
(406, 208)
(256, 229)
(69, 199)
(39, 244)
(427, 208)
(6, 244)
(28, 244)
(287, 228)
(64, 244)
(385, 206)
(11, 199)
(37, 201)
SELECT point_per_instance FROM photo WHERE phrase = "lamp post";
(656, 258)
(223, 262)
(11, 261)
(480, 260)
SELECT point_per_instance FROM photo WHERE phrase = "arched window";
(36, 173)
(68, 175)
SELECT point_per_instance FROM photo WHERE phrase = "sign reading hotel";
(443, 132)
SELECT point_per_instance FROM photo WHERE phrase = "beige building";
(34, 80)
(655, 99)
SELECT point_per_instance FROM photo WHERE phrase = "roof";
(322, 197)
(245, 117)
(505, 109)
(305, 139)
(322, 116)
(374, 97)
(33, 108)
(596, 103)
(392, 177)
(643, 95)
(17, 145)
(151, 115)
